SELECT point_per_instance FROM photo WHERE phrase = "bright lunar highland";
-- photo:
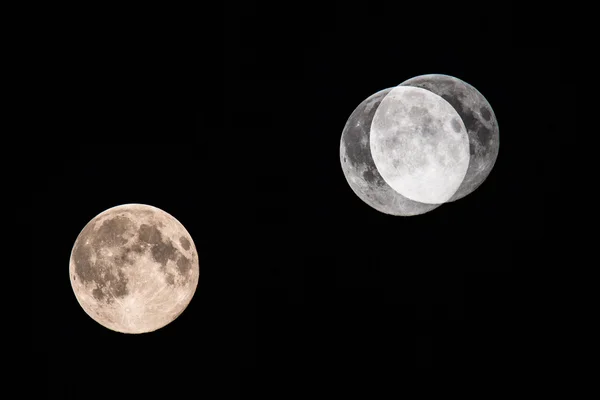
(409, 149)
(134, 268)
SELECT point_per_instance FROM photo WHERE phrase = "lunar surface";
(360, 170)
(419, 145)
(479, 119)
(134, 268)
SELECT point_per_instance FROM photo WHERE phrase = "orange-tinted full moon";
(134, 268)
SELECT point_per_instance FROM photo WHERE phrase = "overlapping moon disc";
(479, 119)
(360, 170)
(419, 145)
(409, 149)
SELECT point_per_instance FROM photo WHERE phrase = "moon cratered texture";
(479, 119)
(360, 170)
(419, 145)
(134, 268)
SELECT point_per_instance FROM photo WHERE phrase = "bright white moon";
(419, 145)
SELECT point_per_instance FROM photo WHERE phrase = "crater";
(98, 294)
(184, 243)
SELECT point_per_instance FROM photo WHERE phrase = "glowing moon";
(480, 121)
(134, 268)
(419, 145)
(359, 169)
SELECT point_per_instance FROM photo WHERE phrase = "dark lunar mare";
(108, 279)
(360, 170)
(163, 250)
(107, 272)
(479, 119)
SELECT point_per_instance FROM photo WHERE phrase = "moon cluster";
(134, 268)
(407, 150)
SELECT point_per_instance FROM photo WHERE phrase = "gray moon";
(359, 168)
(419, 145)
(479, 119)
(134, 268)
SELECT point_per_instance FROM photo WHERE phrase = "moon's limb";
(419, 144)
(479, 119)
(134, 268)
(359, 168)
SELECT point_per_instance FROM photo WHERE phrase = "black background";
(230, 120)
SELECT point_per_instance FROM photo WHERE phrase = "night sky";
(230, 120)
